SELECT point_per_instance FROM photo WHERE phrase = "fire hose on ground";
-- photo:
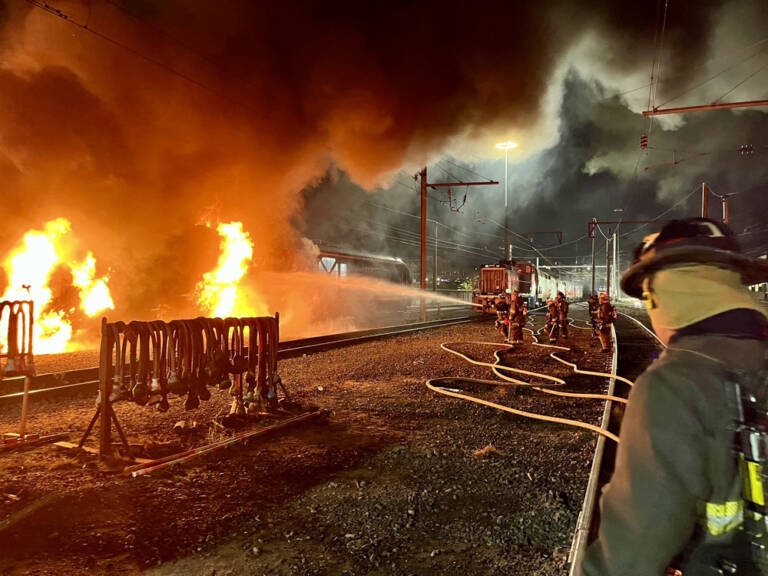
(434, 383)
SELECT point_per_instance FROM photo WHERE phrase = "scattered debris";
(487, 452)
(185, 427)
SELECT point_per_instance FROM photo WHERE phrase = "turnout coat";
(675, 496)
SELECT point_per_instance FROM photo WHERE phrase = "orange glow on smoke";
(218, 292)
(29, 268)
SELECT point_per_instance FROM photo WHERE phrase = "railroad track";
(87, 379)
(634, 351)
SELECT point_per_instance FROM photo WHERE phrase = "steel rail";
(584, 522)
(86, 379)
(644, 327)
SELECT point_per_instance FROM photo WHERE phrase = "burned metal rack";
(148, 362)
(17, 318)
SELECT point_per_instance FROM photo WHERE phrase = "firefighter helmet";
(691, 241)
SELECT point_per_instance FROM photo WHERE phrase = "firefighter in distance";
(552, 327)
(502, 306)
(518, 316)
(606, 314)
(593, 309)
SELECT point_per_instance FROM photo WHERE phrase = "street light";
(506, 146)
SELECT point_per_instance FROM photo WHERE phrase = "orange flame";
(218, 291)
(94, 292)
(29, 268)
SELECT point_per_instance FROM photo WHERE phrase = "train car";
(533, 284)
(343, 264)
(550, 285)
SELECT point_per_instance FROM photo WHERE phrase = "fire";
(218, 290)
(29, 268)
(94, 293)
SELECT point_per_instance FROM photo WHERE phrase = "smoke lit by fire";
(29, 268)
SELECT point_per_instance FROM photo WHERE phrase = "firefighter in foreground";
(593, 307)
(562, 314)
(518, 316)
(606, 314)
(551, 326)
(502, 315)
(676, 497)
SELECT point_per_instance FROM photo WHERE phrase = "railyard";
(398, 480)
(348, 288)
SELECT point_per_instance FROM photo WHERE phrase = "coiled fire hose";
(434, 383)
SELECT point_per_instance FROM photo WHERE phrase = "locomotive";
(534, 285)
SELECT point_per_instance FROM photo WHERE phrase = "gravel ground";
(48, 363)
(399, 481)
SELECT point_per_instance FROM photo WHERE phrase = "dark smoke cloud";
(595, 168)
(135, 155)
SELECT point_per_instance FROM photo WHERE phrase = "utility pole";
(704, 200)
(615, 266)
(507, 249)
(593, 261)
(724, 199)
(423, 255)
(434, 262)
(423, 248)
(607, 265)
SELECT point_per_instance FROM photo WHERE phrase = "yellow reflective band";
(753, 482)
(725, 517)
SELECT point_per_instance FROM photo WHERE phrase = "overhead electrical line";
(665, 212)
(170, 69)
(465, 168)
(708, 80)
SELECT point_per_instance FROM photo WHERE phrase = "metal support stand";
(105, 414)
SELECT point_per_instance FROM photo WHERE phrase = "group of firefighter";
(512, 315)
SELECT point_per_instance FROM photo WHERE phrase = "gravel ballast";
(399, 481)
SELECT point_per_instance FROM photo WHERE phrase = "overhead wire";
(445, 243)
(430, 241)
(42, 5)
(454, 230)
(449, 174)
(467, 169)
(665, 212)
(709, 63)
(708, 80)
(661, 52)
(763, 67)
(410, 242)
